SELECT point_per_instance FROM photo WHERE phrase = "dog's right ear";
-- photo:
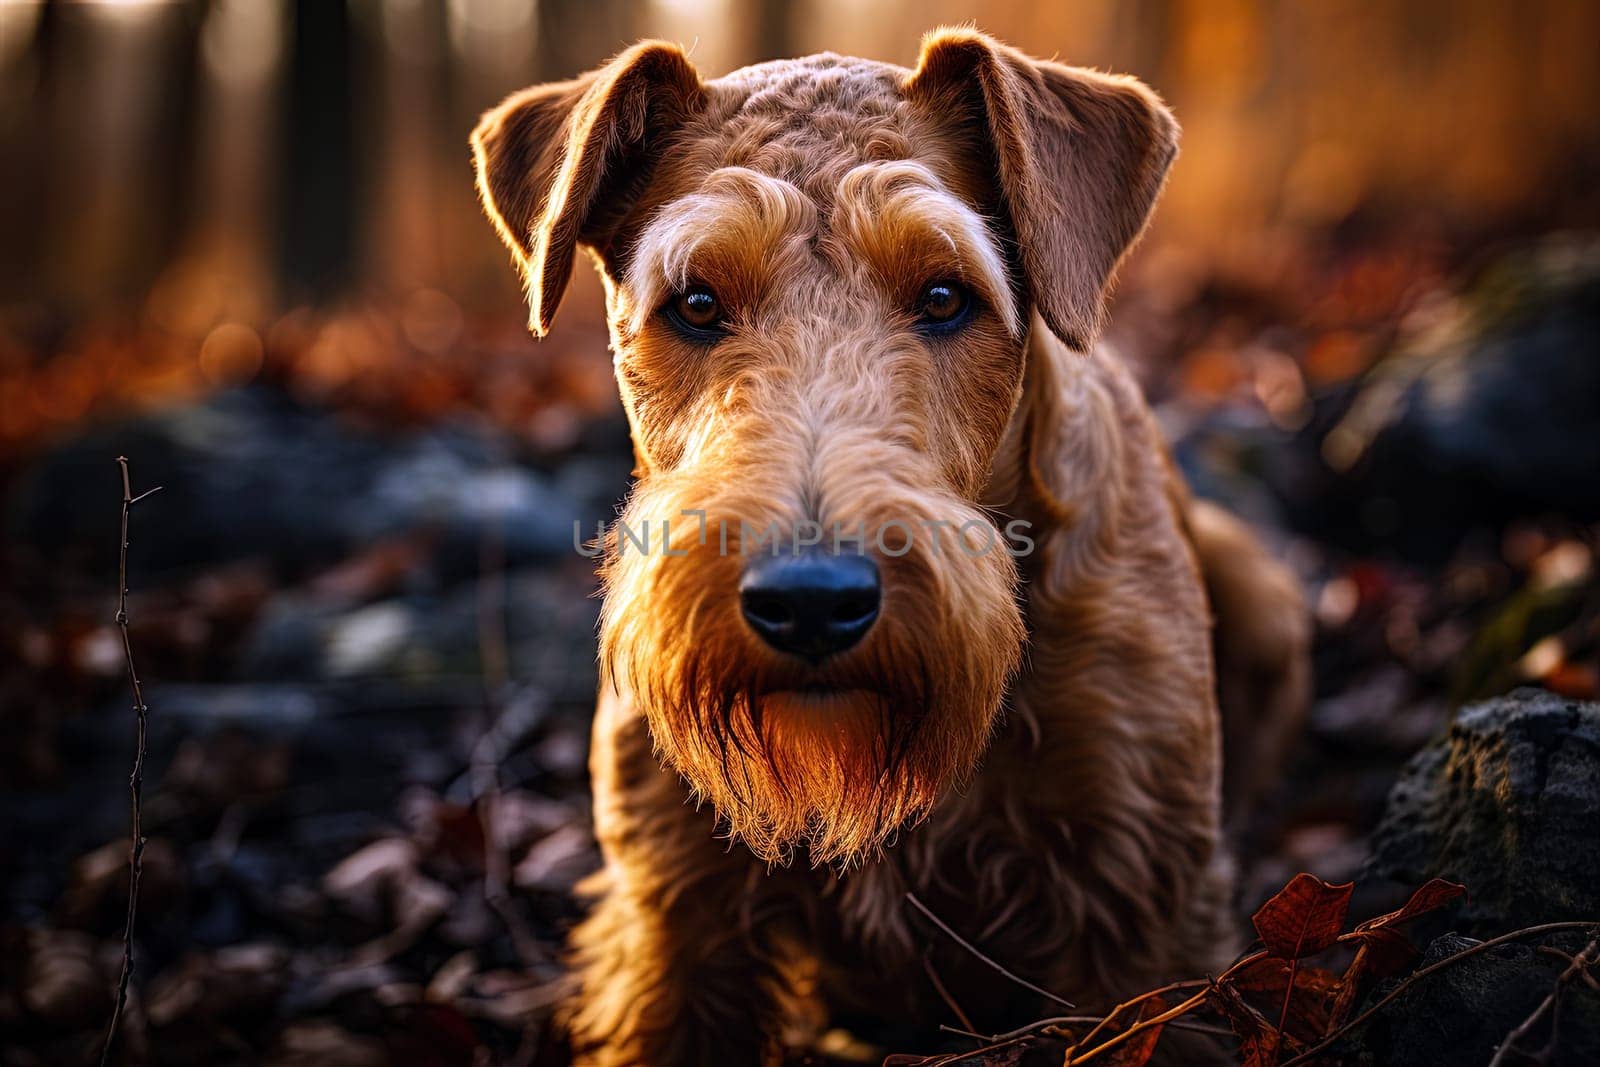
(557, 163)
(1080, 158)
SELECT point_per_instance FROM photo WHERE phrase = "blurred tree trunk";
(411, 106)
(575, 35)
(321, 206)
(177, 111)
(29, 149)
(224, 270)
(106, 181)
(770, 36)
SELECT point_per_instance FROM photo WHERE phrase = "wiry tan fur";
(1030, 745)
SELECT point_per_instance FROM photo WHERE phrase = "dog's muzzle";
(812, 604)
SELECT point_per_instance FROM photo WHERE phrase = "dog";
(925, 611)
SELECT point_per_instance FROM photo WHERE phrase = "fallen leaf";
(62, 986)
(1305, 917)
(360, 881)
(452, 977)
(1137, 1050)
(1430, 896)
(1315, 989)
(1388, 951)
(558, 861)
(1384, 950)
(323, 1043)
(1258, 1038)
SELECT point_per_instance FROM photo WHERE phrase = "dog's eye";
(696, 311)
(943, 305)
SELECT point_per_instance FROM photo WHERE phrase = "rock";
(252, 473)
(1460, 1014)
(546, 616)
(1484, 413)
(1507, 804)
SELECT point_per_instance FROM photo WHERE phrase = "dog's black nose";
(813, 604)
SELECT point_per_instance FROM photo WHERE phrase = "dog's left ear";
(559, 164)
(1080, 157)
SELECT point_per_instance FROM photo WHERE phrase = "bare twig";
(1064, 1021)
(1417, 976)
(1011, 1038)
(964, 943)
(1193, 983)
(944, 994)
(1283, 1013)
(998, 1042)
(495, 662)
(136, 778)
(1578, 964)
(1182, 1008)
(1577, 969)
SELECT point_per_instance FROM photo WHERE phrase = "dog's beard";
(836, 771)
(835, 759)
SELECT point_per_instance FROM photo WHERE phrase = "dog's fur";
(1030, 745)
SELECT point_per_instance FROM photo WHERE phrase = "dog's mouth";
(817, 699)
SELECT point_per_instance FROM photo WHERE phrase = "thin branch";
(1192, 983)
(1579, 965)
(960, 1057)
(494, 660)
(1515, 935)
(1288, 995)
(1578, 968)
(944, 994)
(964, 943)
(1016, 1037)
(1182, 1008)
(136, 778)
(1080, 1020)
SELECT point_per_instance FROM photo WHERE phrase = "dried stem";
(944, 994)
(1288, 995)
(495, 661)
(1011, 1038)
(1578, 968)
(136, 778)
(1578, 964)
(1515, 935)
(1104, 1021)
(964, 943)
(1165, 1017)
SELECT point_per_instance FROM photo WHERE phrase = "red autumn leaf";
(1258, 1039)
(1137, 1050)
(1314, 990)
(1305, 917)
(1384, 950)
(1433, 894)
(1268, 975)
(432, 1035)
(1260, 1049)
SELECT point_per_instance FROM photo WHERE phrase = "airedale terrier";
(907, 596)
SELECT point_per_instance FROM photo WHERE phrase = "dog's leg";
(682, 959)
(1262, 644)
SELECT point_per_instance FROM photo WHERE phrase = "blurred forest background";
(239, 243)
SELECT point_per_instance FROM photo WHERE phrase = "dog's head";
(820, 276)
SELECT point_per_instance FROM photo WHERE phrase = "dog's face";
(820, 275)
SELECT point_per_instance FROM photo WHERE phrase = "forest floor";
(366, 641)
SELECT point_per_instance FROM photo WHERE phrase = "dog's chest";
(997, 874)
(1004, 889)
